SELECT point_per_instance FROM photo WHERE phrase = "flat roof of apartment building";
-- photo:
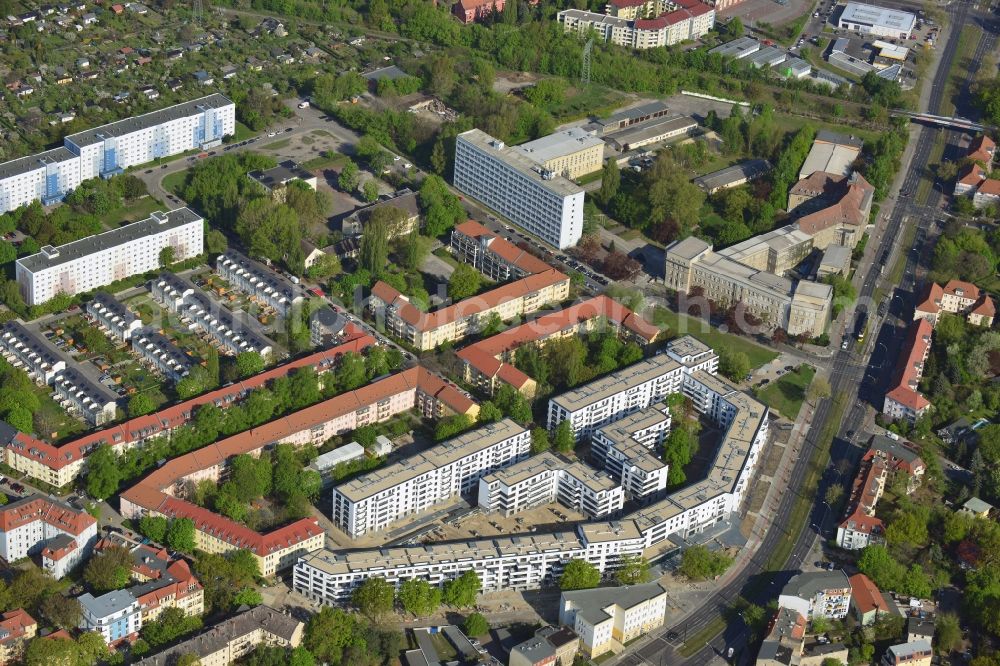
(594, 480)
(438, 456)
(558, 144)
(620, 435)
(591, 603)
(621, 380)
(729, 461)
(596, 17)
(517, 161)
(30, 163)
(149, 120)
(341, 562)
(157, 222)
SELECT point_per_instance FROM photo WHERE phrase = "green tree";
(489, 413)
(154, 527)
(248, 596)
(579, 575)
(634, 569)
(166, 256)
(370, 190)
(539, 440)
(464, 282)
(348, 178)
(108, 570)
(734, 365)
(103, 473)
(461, 592)
(419, 597)
(249, 363)
(700, 563)
(947, 633)
(475, 625)
(442, 209)
(180, 535)
(139, 405)
(450, 426)
(93, 649)
(52, 652)
(170, 625)
(563, 439)
(610, 181)
(375, 237)
(61, 611)
(373, 597)
(20, 418)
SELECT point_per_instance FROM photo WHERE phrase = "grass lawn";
(277, 145)
(243, 133)
(324, 162)
(446, 256)
(789, 123)
(173, 182)
(138, 210)
(787, 393)
(590, 177)
(584, 101)
(682, 324)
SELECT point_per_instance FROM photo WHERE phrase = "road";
(849, 372)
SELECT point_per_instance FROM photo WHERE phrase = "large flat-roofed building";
(609, 616)
(99, 260)
(687, 20)
(519, 188)
(112, 148)
(31, 352)
(523, 562)
(570, 152)
(709, 501)
(374, 500)
(626, 450)
(86, 397)
(109, 149)
(733, 176)
(636, 115)
(112, 315)
(655, 131)
(630, 389)
(252, 278)
(738, 48)
(798, 307)
(45, 177)
(547, 478)
(877, 21)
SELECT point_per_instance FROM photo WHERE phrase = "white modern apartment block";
(519, 188)
(109, 149)
(627, 450)
(703, 504)
(45, 177)
(524, 562)
(818, 594)
(630, 389)
(609, 616)
(32, 524)
(112, 315)
(373, 501)
(115, 615)
(258, 281)
(99, 260)
(30, 352)
(687, 23)
(82, 396)
(546, 478)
